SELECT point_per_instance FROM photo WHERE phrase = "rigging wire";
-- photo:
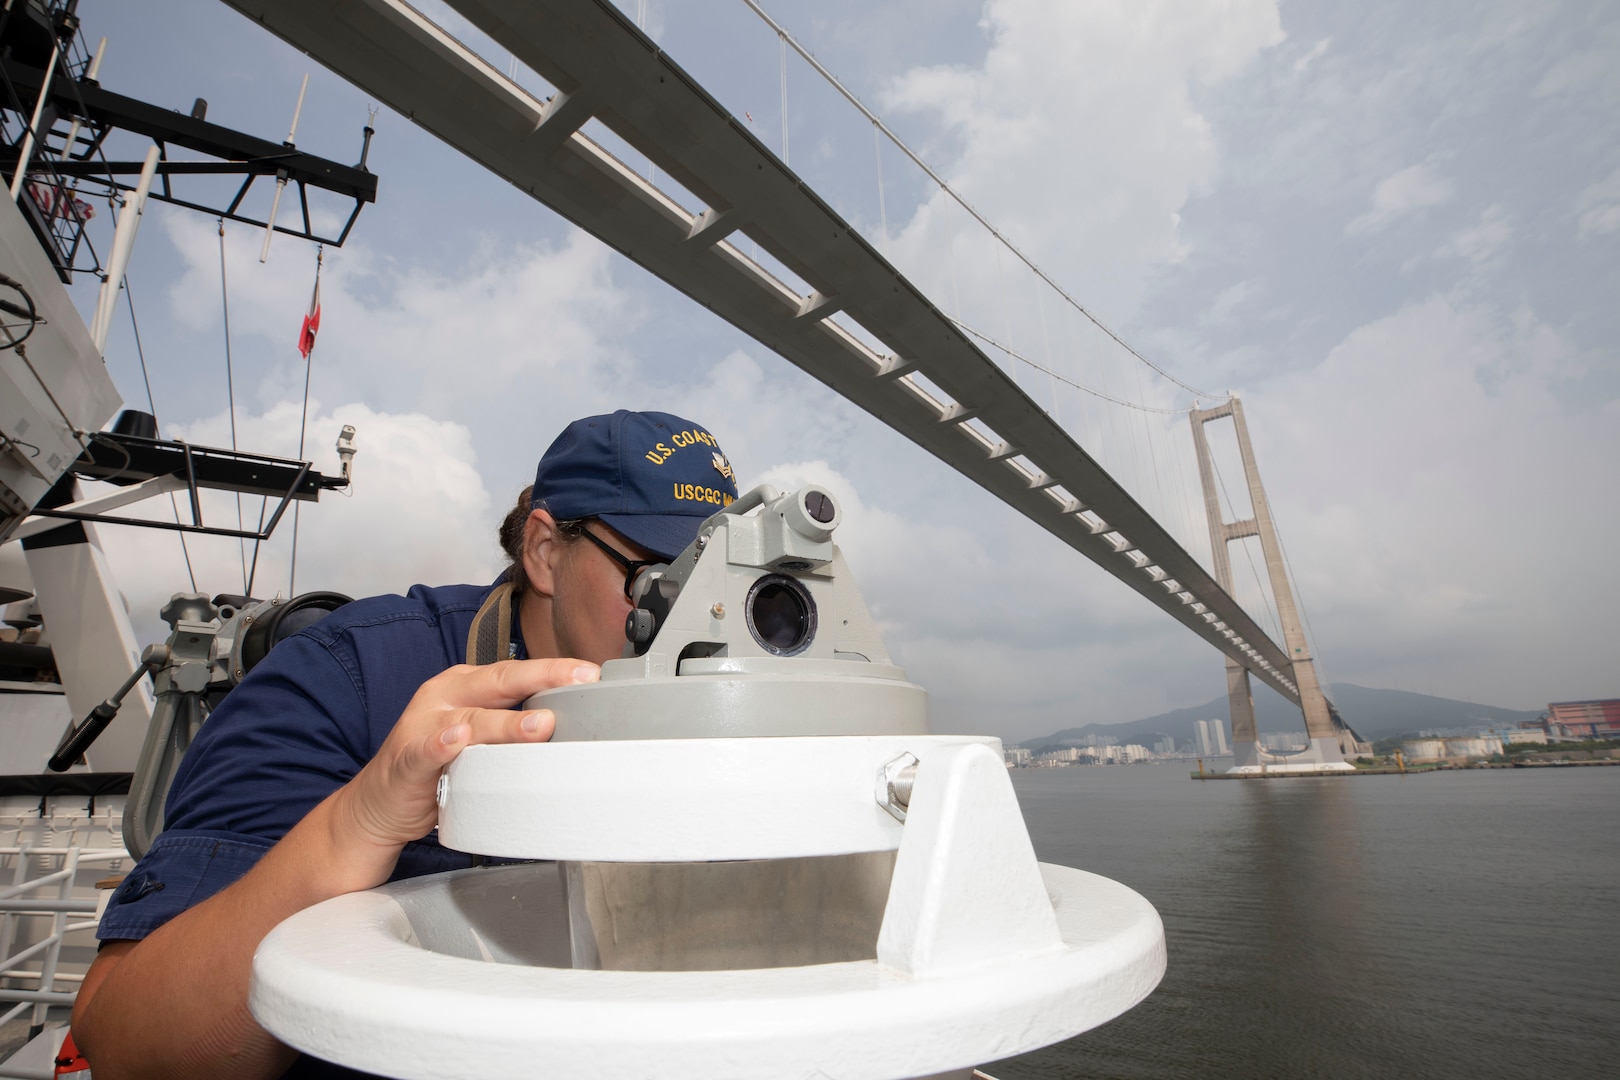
(303, 424)
(129, 298)
(253, 568)
(1046, 349)
(230, 389)
(27, 312)
(787, 40)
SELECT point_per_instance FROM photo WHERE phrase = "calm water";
(1462, 924)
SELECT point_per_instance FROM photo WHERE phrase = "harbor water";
(1461, 924)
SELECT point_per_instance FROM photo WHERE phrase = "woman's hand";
(394, 798)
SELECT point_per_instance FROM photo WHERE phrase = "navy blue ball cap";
(650, 476)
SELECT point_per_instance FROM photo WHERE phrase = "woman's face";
(588, 602)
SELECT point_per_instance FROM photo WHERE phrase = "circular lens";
(781, 615)
(820, 506)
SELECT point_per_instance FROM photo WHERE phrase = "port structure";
(1331, 740)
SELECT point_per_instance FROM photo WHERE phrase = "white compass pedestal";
(980, 952)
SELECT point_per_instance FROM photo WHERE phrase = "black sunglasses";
(632, 567)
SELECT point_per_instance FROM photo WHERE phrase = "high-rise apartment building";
(1210, 737)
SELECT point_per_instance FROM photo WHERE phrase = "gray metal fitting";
(894, 782)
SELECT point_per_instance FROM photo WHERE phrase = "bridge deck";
(978, 421)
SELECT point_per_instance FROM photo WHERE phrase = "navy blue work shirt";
(300, 725)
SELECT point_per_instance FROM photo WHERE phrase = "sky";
(1392, 230)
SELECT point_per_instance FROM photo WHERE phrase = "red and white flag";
(312, 321)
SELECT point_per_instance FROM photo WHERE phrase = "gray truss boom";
(604, 68)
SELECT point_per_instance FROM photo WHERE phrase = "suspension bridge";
(609, 131)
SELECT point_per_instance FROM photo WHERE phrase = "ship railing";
(48, 895)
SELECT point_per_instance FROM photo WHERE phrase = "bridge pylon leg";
(1322, 726)
(1240, 701)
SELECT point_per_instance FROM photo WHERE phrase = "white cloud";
(1311, 57)
(1425, 465)
(1079, 136)
(1599, 206)
(1481, 242)
(450, 341)
(1588, 72)
(1229, 299)
(1414, 188)
(418, 511)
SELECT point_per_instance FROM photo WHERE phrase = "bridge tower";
(1330, 738)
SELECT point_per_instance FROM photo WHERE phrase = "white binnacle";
(982, 954)
(679, 800)
(763, 865)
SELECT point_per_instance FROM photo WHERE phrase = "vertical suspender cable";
(1006, 315)
(782, 37)
(641, 24)
(1046, 346)
(883, 209)
(1152, 452)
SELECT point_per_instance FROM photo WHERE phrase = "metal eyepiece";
(812, 512)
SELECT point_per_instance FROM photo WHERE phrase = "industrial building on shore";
(1584, 719)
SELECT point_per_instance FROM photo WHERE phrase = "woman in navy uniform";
(317, 776)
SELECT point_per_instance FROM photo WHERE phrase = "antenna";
(365, 137)
(91, 75)
(281, 174)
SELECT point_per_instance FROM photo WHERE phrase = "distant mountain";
(1375, 714)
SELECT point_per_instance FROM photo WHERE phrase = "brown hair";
(511, 534)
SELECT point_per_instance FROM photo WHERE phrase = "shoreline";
(1410, 770)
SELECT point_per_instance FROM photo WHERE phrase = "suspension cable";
(789, 40)
(993, 343)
